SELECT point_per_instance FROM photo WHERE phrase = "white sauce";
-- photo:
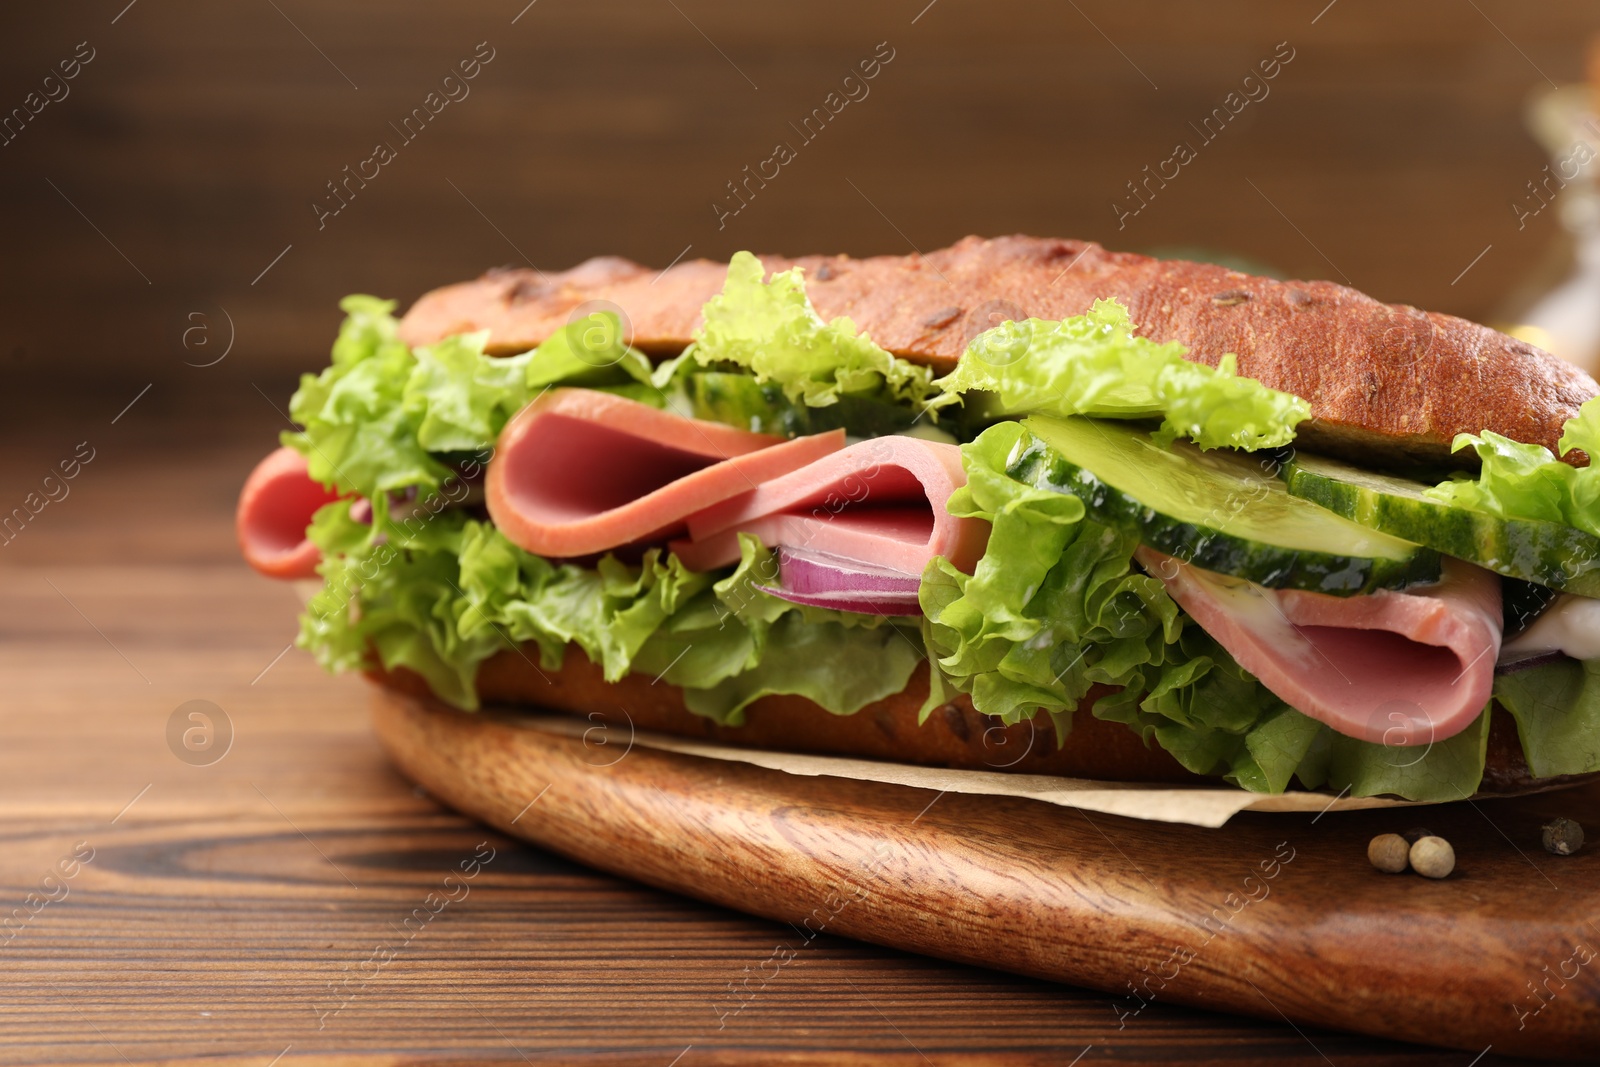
(1571, 626)
(1255, 608)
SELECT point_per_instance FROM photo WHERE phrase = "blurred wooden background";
(193, 145)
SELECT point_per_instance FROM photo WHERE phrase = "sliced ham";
(1395, 668)
(275, 507)
(579, 472)
(880, 502)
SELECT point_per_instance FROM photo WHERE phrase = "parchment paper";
(1194, 805)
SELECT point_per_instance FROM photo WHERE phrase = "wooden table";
(229, 909)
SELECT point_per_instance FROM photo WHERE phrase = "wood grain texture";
(189, 153)
(215, 913)
(1271, 916)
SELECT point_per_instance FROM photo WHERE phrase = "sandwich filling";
(786, 507)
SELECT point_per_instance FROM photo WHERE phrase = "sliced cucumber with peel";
(1220, 510)
(1547, 553)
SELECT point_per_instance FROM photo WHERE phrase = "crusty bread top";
(1387, 383)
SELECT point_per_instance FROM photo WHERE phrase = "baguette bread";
(1388, 384)
(954, 735)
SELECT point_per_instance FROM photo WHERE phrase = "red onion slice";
(808, 572)
(1528, 660)
(821, 580)
(862, 603)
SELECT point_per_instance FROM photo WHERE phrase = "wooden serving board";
(1275, 915)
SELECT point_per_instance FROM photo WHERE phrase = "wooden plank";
(238, 937)
(1274, 916)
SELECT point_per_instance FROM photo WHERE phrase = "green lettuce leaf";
(380, 416)
(1056, 606)
(1557, 710)
(1445, 770)
(1215, 718)
(1525, 481)
(357, 433)
(590, 352)
(1052, 607)
(439, 592)
(742, 644)
(740, 399)
(771, 330)
(463, 397)
(1094, 364)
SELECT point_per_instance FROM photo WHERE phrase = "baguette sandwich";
(1019, 504)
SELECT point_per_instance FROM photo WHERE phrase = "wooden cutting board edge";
(1024, 886)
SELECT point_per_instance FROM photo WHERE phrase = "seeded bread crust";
(1387, 383)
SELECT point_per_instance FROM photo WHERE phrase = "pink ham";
(1394, 668)
(880, 502)
(275, 507)
(579, 472)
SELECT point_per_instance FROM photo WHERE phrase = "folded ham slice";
(1395, 668)
(275, 507)
(880, 502)
(578, 472)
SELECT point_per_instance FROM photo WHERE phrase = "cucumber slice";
(1547, 553)
(1220, 510)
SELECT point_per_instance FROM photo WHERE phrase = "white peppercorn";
(1389, 853)
(1432, 857)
